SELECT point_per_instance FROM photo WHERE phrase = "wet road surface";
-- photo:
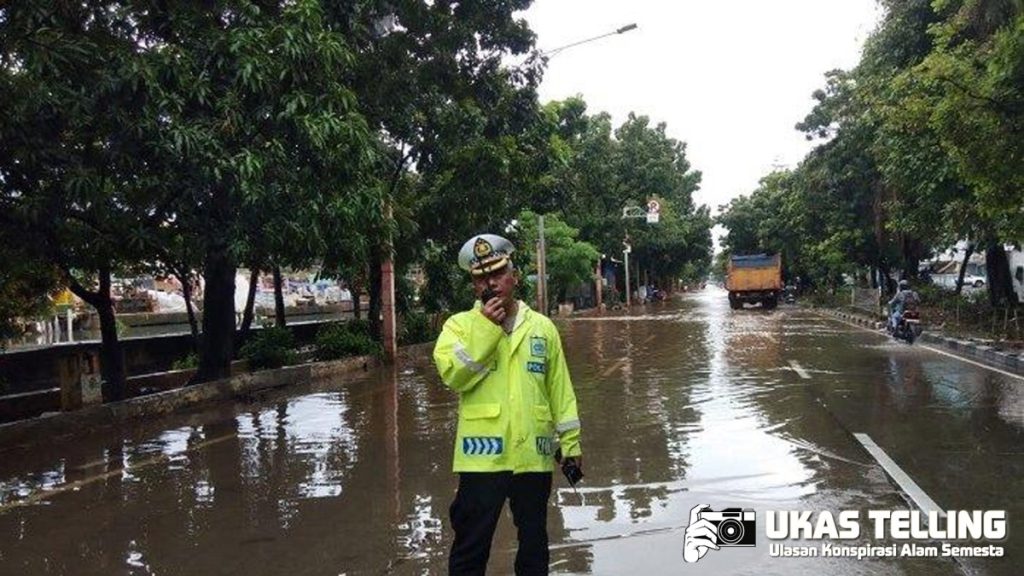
(682, 404)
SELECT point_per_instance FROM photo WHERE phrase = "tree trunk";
(1000, 284)
(357, 309)
(186, 292)
(911, 258)
(111, 353)
(963, 268)
(279, 298)
(218, 343)
(112, 363)
(250, 303)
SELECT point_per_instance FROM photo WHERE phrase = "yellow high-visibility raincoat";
(514, 392)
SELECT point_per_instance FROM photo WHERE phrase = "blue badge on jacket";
(538, 346)
(482, 445)
(535, 367)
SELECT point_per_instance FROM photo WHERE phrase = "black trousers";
(475, 512)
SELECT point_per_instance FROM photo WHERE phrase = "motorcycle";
(908, 327)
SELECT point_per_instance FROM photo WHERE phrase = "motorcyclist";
(905, 300)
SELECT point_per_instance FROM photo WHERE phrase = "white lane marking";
(902, 479)
(799, 370)
(979, 364)
(951, 355)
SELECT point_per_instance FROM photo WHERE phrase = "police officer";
(516, 407)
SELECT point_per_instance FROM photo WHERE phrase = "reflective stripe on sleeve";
(466, 359)
(568, 425)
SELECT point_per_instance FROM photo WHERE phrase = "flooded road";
(682, 404)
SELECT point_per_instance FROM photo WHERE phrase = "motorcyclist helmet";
(904, 285)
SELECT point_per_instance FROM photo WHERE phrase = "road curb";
(1009, 361)
(61, 424)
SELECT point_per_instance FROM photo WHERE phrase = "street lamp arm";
(622, 30)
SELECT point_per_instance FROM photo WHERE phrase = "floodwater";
(683, 403)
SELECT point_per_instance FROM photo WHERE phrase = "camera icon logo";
(710, 530)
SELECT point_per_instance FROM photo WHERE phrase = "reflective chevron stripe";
(482, 445)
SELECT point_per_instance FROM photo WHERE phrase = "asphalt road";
(683, 403)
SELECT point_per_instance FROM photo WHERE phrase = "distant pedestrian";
(516, 405)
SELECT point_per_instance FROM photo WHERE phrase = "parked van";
(1016, 259)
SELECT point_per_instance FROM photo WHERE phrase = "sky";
(729, 78)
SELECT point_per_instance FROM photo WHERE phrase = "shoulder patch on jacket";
(538, 346)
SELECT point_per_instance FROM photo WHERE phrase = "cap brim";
(489, 266)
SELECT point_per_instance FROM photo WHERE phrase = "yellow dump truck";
(754, 278)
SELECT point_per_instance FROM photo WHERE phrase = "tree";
(76, 168)
(260, 123)
(432, 81)
(26, 281)
(570, 262)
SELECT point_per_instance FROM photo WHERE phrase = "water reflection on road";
(683, 403)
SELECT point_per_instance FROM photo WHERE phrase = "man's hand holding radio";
(492, 306)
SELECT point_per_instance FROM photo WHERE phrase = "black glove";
(570, 468)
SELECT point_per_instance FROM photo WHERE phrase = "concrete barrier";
(55, 425)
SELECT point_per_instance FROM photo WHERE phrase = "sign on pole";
(653, 211)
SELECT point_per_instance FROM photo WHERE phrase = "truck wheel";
(735, 304)
(768, 303)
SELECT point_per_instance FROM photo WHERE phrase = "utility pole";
(625, 254)
(542, 268)
(387, 289)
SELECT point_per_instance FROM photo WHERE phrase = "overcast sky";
(729, 78)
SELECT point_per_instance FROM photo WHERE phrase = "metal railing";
(866, 299)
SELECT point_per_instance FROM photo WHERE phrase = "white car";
(974, 280)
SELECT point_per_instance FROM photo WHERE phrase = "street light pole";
(542, 268)
(542, 259)
(556, 51)
(625, 254)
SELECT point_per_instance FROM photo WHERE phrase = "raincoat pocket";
(542, 412)
(480, 420)
(478, 411)
(543, 424)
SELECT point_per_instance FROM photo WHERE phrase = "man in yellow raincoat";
(516, 407)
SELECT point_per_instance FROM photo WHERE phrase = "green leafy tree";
(266, 135)
(570, 262)
(76, 163)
